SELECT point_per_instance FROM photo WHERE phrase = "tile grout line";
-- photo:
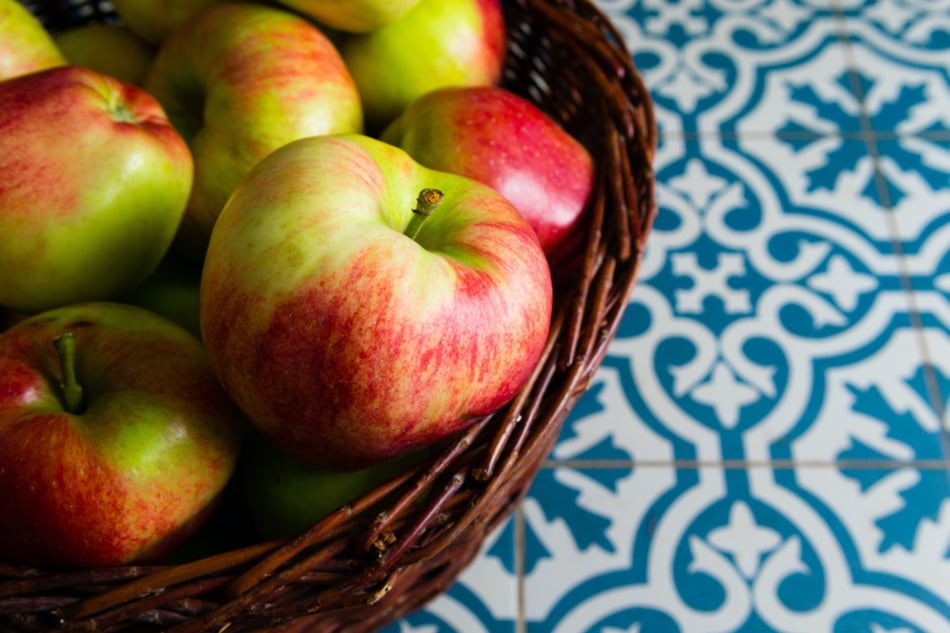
(924, 464)
(766, 135)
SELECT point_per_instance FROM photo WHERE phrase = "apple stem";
(65, 345)
(426, 203)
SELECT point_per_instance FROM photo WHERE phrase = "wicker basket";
(360, 569)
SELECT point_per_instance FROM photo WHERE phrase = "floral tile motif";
(766, 447)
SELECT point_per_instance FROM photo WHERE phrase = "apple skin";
(238, 81)
(438, 43)
(347, 343)
(95, 182)
(153, 20)
(503, 140)
(25, 46)
(111, 49)
(352, 16)
(138, 468)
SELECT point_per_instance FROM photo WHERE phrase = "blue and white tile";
(900, 52)
(917, 169)
(916, 174)
(804, 88)
(920, 24)
(706, 61)
(743, 550)
(765, 301)
(611, 422)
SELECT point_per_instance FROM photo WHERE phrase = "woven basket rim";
(358, 568)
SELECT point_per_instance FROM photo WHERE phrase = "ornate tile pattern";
(767, 445)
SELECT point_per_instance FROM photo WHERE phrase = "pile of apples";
(305, 239)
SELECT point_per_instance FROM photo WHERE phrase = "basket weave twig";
(362, 567)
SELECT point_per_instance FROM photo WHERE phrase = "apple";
(25, 46)
(438, 43)
(238, 81)
(286, 495)
(95, 183)
(112, 49)
(153, 20)
(351, 330)
(115, 436)
(355, 16)
(494, 136)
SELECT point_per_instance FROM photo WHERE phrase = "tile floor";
(766, 446)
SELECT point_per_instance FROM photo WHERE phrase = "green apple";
(153, 20)
(95, 183)
(349, 328)
(111, 49)
(354, 16)
(239, 81)
(505, 141)
(25, 46)
(438, 43)
(286, 495)
(116, 439)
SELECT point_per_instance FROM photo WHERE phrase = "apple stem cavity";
(426, 204)
(65, 345)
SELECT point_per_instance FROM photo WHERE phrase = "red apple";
(438, 43)
(95, 182)
(111, 451)
(505, 141)
(25, 46)
(347, 332)
(239, 81)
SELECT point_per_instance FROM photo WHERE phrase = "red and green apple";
(349, 328)
(115, 436)
(95, 183)
(238, 81)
